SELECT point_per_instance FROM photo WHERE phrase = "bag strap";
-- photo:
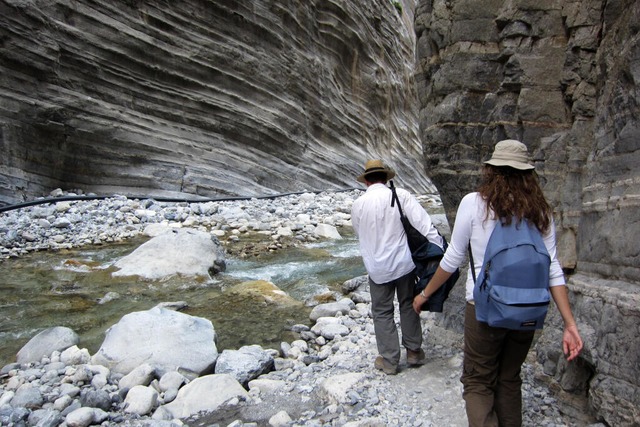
(473, 265)
(395, 199)
(403, 218)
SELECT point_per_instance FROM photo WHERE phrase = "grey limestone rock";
(165, 339)
(331, 309)
(183, 251)
(562, 77)
(196, 396)
(58, 338)
(244, 364)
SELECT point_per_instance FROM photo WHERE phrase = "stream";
(75, 288)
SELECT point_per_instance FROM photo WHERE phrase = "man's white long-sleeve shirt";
(383, 242)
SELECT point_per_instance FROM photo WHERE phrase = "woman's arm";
(571, 340)
(556, 276)
(456, 252)
(438, 279)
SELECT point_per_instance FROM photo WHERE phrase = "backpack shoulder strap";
(473, 265)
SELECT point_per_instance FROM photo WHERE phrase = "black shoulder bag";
(426, 257)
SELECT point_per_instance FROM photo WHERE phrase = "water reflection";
(74, 288)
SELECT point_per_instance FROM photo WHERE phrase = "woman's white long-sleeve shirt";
(383, 242)
(471, 226)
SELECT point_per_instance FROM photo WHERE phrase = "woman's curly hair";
(511, 192)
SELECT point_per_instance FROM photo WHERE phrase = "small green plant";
(398, 6)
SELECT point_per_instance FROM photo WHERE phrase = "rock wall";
(204, 98)
(562, 76)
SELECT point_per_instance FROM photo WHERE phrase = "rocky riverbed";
(320, 379)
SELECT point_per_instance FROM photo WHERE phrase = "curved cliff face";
(562, 76)
(206, 98)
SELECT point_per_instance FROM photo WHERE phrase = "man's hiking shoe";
(385, 366)
(415, 357)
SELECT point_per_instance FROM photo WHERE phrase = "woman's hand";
(438, 279)
(571, 341)
(418, 300)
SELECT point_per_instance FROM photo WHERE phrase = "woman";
(493, 357)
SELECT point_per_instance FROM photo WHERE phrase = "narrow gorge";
(201, 99)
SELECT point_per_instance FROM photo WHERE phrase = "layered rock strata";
(562, 76)
(204, 98)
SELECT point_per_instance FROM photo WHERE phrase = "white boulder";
(182, 251)
(165, 339)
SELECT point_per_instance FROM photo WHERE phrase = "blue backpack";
(512, 290)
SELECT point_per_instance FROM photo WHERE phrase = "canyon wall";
(562, 76)
(203, 98)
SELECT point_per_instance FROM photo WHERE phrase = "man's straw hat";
(373, 166)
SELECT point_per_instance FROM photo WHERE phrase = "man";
(387, 258)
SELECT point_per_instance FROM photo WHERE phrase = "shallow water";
(74, 288)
